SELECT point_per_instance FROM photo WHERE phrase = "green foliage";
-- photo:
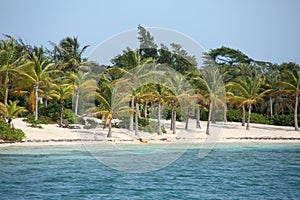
(285, 120)
(69, 115)
(259, 118)
(151, 127)
(52, 111)
(234, 115)
(163, 129)
(36, 123)
(52, 114)
(168, 111)
(9, 134)
(203, 114)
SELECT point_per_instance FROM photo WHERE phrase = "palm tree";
(38, 73)
(82, 82)
(131, 68)
(62, 93)
(69, 54)
(292, 87)
(249, 91)
(212, 83)
(11, 110)
(10, 66)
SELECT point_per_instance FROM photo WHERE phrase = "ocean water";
(228, 172)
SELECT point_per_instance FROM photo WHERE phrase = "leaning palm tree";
(38, 73)
(291, 86)
(11, 110)
(249, 91)
(62, 93)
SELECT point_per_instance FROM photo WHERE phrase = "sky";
(265, 30)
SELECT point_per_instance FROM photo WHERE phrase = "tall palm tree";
(291, 86)
(250, 91)
(38, 73)
(131, 66)
(10, 62)
(62, 93)
(212, 82)
(11, 110)
(83, 81)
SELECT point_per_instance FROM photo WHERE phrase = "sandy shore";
(220, 133)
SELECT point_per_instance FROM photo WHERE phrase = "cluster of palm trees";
(38, 76)
(131, 88)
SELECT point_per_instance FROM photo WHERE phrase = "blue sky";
(267, 30)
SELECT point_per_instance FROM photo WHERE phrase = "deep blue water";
(228, 172)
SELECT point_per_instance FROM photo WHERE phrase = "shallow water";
(230, 171)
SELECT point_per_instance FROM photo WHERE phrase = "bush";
(234, 116)
(9, 134)
(41, 120)
(150, 128)
(285, 120)
(258, 118)
(53, 111)
(70, 116)
(203, 114)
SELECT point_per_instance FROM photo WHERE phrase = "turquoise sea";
(230, 171)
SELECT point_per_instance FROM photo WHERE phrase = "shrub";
(150, 128)
(203, 114)
(258, 118)
(41, 120)
(234, 115)
(9, 134)
(70, 116)
(285, 120)
(53, 111)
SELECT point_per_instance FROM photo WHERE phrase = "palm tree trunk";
(271, 109)
(158, 120)
(137, 121)
(213, 117)
(46, 102)
(296, 113)
(209, 118)
(131, 114)
(76, 102)
(249, 117)
(62, 113)
(6, 96)
(172, 119)
(145, 109)
(6, 88)
(198, 125)
(243, 115)
(36, 114)
(174, 123)
(109, 135)
(187, 119)
(225, 113)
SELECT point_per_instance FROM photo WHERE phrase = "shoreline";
(231, 132)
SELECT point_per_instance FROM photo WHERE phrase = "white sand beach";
(222, 133)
